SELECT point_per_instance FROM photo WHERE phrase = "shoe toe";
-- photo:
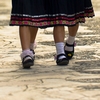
(63, 61)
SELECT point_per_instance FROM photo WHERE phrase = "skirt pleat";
(48, 13)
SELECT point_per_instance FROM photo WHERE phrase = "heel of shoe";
(27, 63)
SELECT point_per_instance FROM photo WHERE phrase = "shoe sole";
(65, 62)
(27, 65)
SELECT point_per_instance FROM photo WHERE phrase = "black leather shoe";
(69, 54)
(27, 62)
(63, 61)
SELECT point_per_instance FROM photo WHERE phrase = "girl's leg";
(69, 47)
(59, 35)
(24, 32)
(33, 32)
(73, 30)
(27, 56)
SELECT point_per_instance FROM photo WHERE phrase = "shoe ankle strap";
(70, 45)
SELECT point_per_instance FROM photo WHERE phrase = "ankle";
(69, 47)
(70, 39)
(60, 49)
(33, 46)
(26, 52)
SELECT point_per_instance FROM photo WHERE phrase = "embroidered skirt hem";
(48, 13)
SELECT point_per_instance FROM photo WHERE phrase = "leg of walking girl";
(69, 46)
(33, 32)
(27, 56)
(59, 35)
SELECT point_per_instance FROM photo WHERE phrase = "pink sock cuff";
(25, 53)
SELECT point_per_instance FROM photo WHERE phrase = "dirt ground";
(80, 80)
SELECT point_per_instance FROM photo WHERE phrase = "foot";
(69, 54)
(63, 61)
(27, 60)
(27, 63)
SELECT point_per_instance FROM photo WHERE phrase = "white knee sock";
(60, 49)
(70, 40)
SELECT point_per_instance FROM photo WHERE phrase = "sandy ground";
(80, 80)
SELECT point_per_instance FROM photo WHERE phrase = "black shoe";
(29, 62)
(32, 51)
(63, 61)
(69, 54)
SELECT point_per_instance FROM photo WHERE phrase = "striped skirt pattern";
(48, 13)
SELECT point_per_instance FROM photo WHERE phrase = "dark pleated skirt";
(48, 13)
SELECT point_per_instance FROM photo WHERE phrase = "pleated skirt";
(49, 13)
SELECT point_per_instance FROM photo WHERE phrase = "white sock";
(25, 53)
(60, 49)
(33, 45)
(70, 40)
